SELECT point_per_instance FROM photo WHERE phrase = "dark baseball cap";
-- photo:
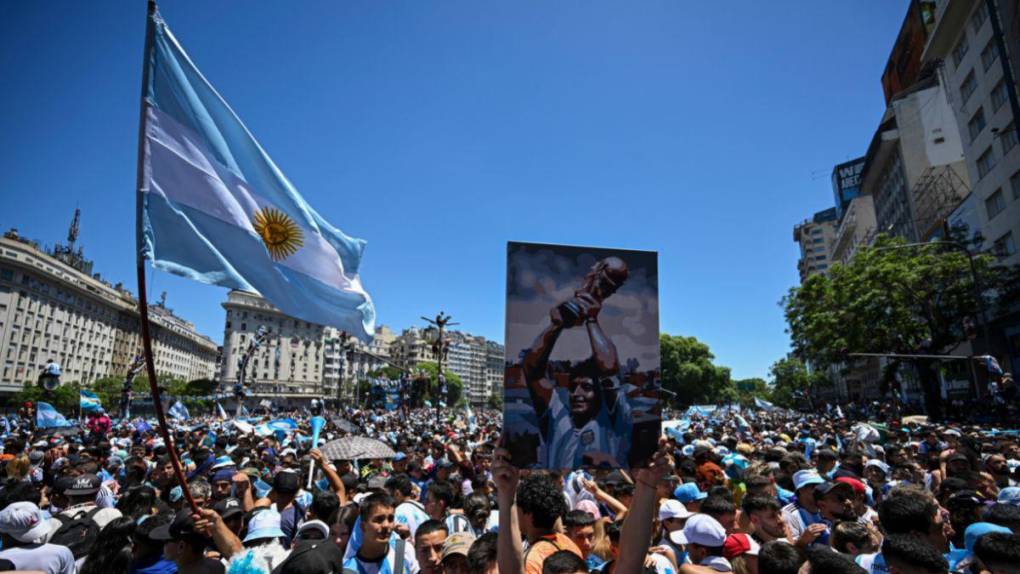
(287, 482)
(228, 508)
(183, 526)
(827, 487)
(312, 557)
(84, 485)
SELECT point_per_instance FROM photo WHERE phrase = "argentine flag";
(47, 417)
(89, 402)
(214, 207)
(179, 411)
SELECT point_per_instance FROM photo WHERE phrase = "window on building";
(986, 162)
(960, 51)
(976, 124)
(978, 18)
(819, 258)
(967, 87)
(995, 203)
(999, 95)
(817, 240)
(989, 55)
(1008, 137)
(1004, 246)
(1014, 183)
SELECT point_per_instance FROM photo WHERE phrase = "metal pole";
(143, 307)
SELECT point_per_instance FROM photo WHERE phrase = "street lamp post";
(441, 347)
(242, 365)
(125, 392)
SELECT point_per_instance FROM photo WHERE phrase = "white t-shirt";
(410, 514)
(49, 558)
(662, 564)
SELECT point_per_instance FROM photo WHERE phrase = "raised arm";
(536, 360)
(602, 349)
(509, 550)
(335, 482)
(637, 527)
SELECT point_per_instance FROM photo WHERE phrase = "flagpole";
(143, 307)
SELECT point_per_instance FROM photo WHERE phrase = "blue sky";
(438, 131)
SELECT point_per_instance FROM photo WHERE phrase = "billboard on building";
(581, 386)
(846, 183)
(903, 68)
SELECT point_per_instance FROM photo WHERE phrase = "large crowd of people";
(751, 492)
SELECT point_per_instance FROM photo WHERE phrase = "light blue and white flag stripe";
(47, 417)
(205, 179)
(179, 411)
(89, 402)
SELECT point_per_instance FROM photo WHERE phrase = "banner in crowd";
(47, 417)
(89, 402)
(582, 377)
(179, 411)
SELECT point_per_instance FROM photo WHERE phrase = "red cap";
(857, 485)
(739, 543)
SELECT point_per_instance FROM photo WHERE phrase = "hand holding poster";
(582, 357)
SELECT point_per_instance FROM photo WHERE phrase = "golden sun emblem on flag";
(279, 232)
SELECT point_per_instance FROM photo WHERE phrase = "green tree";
(64, 398)
(748, 389)
(791, 381)
(496, 401)
(453, 382)
(894, 299)
(688, 371)
(388, 371)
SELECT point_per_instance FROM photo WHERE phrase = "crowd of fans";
(762, 492)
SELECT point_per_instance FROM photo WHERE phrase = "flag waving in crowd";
(179, 411)
(216, 209)
(89, 402)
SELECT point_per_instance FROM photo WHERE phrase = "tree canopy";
(893, 298)
(688, 370)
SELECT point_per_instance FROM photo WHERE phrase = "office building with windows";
(53, 307)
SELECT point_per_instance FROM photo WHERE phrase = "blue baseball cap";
(689, 492)
(1010, 495)
(399, 456)
(265, 524)
(809, 477)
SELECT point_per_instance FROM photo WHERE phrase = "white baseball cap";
(24, 522)
(703, 530)
(673, 509)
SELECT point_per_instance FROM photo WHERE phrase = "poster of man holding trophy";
(582, 357)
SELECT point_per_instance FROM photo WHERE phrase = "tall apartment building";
(343, 365)
(856, 229)
(414, 346)
(53, 307)
(468, 357)
(977, 53)
(495, 367)
(914, 168)
(288, 364)
(815, 237)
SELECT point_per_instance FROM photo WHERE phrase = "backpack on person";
(78, 533)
